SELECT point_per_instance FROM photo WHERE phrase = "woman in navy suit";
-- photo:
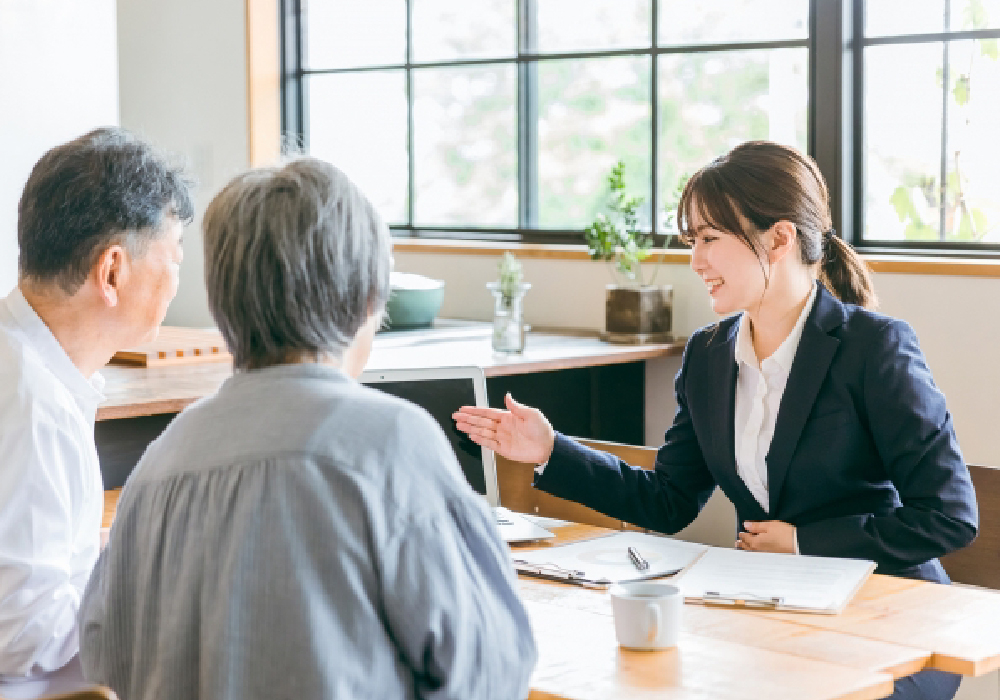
(816, 416)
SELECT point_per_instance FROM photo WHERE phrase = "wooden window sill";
(890, 264)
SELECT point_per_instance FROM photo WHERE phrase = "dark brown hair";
(764, 182)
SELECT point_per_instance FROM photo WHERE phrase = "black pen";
(637, 560)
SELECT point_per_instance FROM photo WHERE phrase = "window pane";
(357, 121)
(903, 142)
(903, 116)
(348, 34)
(580, 25)
(591, 113)
(974, 14)
(711, 102)
(891, 17)
(457, 29)
(682, 22)
(465, 145)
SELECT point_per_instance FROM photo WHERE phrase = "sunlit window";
(502, 118)
(931, 110)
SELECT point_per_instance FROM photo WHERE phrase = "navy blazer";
(864, 459)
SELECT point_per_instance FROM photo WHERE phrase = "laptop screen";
(441, 398)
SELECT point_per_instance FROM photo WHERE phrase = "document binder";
(556, 573)
(785, 582)
(599, 562)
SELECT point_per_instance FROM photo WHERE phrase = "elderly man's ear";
(110, 273)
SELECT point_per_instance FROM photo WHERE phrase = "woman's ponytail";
(845, 274)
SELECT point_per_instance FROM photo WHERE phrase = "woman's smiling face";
(733, 273)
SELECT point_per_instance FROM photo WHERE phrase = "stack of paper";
(779, 581)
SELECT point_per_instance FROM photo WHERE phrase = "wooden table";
(893, 627)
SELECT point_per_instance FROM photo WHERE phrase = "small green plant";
(616, 237)
(511, 276)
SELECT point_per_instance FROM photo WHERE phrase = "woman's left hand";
(767, 536)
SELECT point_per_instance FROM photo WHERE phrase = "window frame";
(939, 248)
(836, 45)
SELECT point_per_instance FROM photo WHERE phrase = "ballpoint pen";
(637, 560)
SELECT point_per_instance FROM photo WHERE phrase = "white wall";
(58, 80)
(183, 86)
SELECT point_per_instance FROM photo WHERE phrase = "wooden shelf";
(146, 391)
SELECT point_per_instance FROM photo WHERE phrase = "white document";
(780, 581)
(605, 559)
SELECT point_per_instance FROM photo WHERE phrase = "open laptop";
(441, 392)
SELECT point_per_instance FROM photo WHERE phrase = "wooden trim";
(148, 408)
(523, 250)
(263, 83)
(952, 267)
(889, 264)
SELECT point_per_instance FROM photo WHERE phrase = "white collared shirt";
(759, 388)
(51, 495)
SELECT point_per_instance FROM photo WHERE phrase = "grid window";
(501, 118)
(931, 105)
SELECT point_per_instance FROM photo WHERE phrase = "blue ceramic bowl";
(414, 308)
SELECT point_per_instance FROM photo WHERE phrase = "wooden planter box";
(639, 314)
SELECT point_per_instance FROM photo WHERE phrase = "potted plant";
(637, 310)
(508, 310)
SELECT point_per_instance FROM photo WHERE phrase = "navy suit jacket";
(864, 459)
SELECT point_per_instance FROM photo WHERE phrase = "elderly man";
(99, 229)
(299, 535)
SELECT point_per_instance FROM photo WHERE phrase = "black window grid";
(835, 123)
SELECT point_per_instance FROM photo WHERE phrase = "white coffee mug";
(647, 615)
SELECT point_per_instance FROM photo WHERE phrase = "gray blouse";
(298, 535)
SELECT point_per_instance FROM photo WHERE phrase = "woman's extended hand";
(767, 536)
(521, 434)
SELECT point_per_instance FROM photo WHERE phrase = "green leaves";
(916, 229)
(989, 48)
(962, 222)
(618, 237)
(975, 16)
(902, 202)
(961, 90)
(972, 225)
(511, 275)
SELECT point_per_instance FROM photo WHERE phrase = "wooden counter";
(138, 391)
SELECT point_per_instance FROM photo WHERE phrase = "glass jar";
(508, 319)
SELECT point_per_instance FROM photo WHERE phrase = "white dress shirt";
(759, 388)
(51, 502)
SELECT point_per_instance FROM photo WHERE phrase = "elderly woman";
(297, 535)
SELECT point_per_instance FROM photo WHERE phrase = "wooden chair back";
(516, 493)
(979, 563)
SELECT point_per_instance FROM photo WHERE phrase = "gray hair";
(103, 188)
(296, 259)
